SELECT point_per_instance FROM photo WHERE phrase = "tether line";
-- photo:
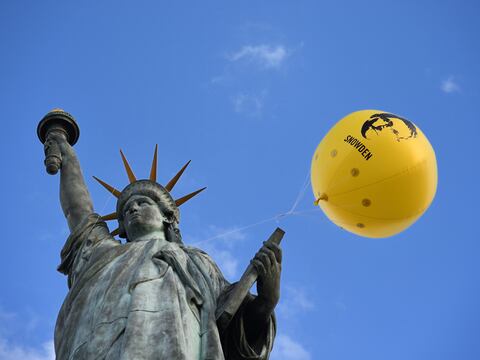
(277, 217)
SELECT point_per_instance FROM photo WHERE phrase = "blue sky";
(247, 90)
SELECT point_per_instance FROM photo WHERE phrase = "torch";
(58, 121)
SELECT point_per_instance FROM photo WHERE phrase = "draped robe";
(147, 300)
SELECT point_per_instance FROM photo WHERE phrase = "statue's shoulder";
(197, 254)
(89, 236)
(210, 270)
(194, 250)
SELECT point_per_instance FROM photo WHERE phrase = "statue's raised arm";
(58, 131)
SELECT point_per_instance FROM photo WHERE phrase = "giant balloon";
(374, 173)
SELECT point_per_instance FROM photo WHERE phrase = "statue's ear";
(168, 218)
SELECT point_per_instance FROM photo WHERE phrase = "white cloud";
(14, 352)
(219, 79)
(220, 245)
(267, 56)
(249, 104)
(285, 348)
(292, 301)
(450, 86)
(225, 260)
(229, 236)
(340, 306)
(6, 315)
(20, 326)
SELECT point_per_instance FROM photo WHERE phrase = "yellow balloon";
(374, 173)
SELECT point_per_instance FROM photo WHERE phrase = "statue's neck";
(157, 235)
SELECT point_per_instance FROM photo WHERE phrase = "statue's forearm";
(74, 196)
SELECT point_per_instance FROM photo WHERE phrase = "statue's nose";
(133, 208)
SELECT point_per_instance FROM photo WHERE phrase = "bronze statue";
(151, 297)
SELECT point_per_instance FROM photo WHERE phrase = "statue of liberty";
(151, 297)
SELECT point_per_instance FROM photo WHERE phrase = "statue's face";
(142, 215)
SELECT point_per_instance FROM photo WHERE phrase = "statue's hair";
(161, 197)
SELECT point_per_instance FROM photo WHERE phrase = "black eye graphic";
(378, 122)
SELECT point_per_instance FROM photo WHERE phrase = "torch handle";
(53, 159)
(53, 155)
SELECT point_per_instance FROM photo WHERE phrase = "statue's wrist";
(57, 134)
(67, 150)
(60, 137)
(267, 304)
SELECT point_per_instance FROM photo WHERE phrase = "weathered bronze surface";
(60, 121)
(151, 297)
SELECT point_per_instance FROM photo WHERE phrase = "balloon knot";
(322, 197)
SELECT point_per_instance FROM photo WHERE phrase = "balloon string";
(277, 217)
(237, 230)
(234, 231)
(301, 193)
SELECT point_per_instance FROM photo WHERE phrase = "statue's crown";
(148, 187)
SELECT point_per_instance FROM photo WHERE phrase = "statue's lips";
(134, 217)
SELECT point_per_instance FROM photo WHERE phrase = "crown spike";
(131, 175)
(111, 189)
(174, 180)
(115, 232)
(153, 171)
(184, 199)
(112, 216)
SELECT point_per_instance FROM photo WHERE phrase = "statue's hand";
(55, 139)
(268, 262)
